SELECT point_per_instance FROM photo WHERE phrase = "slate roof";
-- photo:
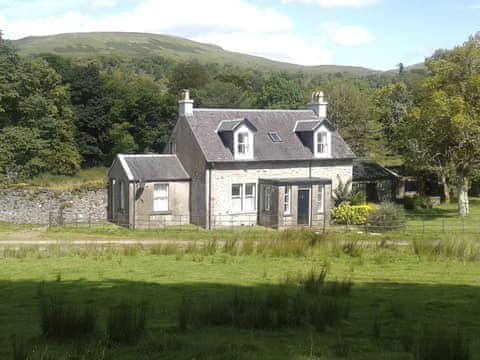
(367, 170)
(154, 167)
(204, 122)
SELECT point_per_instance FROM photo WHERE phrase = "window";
(236, 197)
(288, 200)
(172, 148)
(121, 189)
(322, 144)
(267, 199)
(275, 137)
(243, 144)
(244, 197)
(250, 197)
(321, 198)
(160, 197)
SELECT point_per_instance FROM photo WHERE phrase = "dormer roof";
(232, 125)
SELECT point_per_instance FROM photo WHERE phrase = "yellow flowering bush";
(351, 214)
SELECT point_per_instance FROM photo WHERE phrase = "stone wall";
(46, 206)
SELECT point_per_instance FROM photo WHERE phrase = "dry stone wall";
(49, 207)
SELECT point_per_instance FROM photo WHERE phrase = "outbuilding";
(148, 191)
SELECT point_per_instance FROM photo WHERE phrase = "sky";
(377, 34)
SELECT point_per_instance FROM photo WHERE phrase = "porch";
(290, 202)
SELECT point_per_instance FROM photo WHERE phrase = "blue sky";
(372, 33)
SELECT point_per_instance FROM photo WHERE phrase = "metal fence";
(414, 224)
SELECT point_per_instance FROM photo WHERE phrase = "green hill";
(129, 45)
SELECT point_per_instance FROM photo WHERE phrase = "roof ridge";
(147, 155)
(252, 110)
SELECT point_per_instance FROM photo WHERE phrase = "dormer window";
(243, 144)
(238, 136)
(322, 142)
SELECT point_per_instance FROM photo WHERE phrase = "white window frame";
(326, 145)
(251, 196)
(246, 144)
(287, 206)
(321, 199)
(157, 199)
(236, 197)
(243, 197)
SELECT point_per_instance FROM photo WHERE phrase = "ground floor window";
(160, 197)
(267, 198)
(288, 200)
(321, 198)
(250, 197)
(244, 197)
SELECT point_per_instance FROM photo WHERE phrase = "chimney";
(318, 104)
(185, 105)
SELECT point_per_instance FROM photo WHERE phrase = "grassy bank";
(86, 179)
(396, 294)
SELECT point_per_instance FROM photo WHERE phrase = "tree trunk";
(463, 204)
(446, 189)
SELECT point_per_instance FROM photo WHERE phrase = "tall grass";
(442, 343)
(19, 349)
(302, 299)
(63, 321)
(455, 249)
(126, 322)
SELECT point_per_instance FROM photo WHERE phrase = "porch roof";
(296, 181)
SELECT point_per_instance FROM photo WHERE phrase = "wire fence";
(415, 223)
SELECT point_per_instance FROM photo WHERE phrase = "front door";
(303, 209)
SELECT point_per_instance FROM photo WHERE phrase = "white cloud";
(336, 3)
(104, 4)
(236, 25)
(348, 35)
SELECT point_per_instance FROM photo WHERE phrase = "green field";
(397, 291)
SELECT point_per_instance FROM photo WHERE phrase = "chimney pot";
(318, 104)
(185, 104)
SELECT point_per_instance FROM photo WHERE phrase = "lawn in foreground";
(394, 291)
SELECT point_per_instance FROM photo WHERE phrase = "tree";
(282, 93)
(445, 126)
(36, 119)
(350, 111)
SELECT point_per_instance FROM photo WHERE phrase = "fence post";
(49, 219)
(443, 225)
(89, 220)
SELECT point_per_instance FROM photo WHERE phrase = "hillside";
(129, 45)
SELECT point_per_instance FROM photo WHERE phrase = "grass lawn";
(395, 294)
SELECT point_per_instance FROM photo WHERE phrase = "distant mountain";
(130, 45)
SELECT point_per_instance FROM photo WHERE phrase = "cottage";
(274, 168)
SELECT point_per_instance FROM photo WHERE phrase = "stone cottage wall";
(46, 206)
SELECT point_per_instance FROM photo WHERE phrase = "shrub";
(126, 322)
(387, 217)
(347, 194)
(417, 202)
(351, 214)
(62, 321)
